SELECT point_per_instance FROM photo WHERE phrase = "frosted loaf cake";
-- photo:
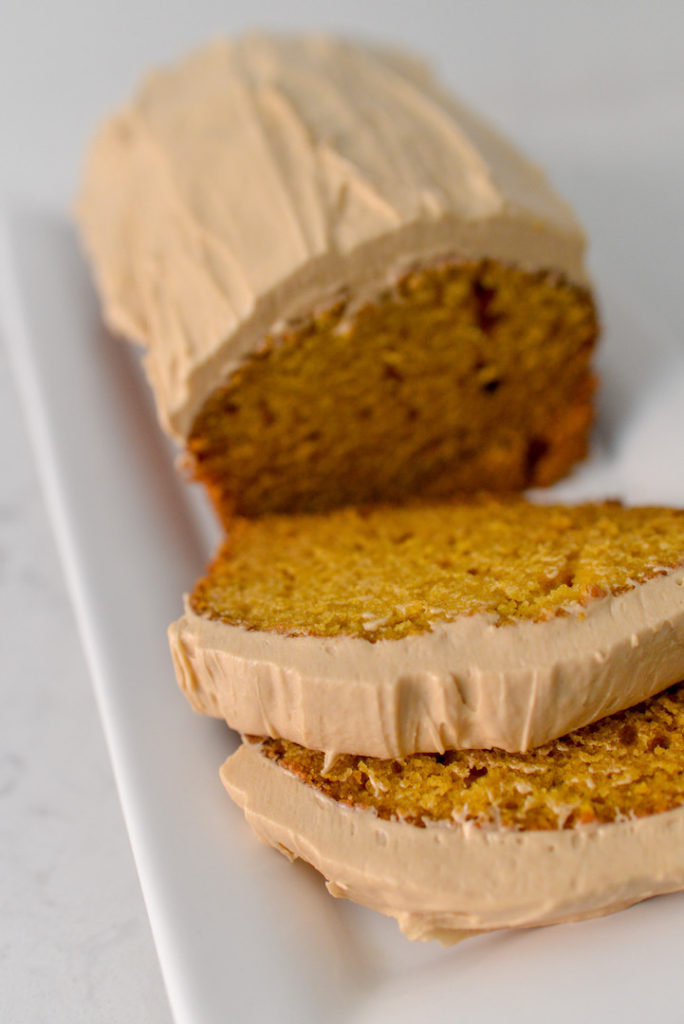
(363, 310)
(350, 289)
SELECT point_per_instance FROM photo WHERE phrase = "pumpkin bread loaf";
(350, 288)
(367, 323)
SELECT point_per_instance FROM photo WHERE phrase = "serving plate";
(242, 934)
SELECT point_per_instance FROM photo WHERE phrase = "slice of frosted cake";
(391, 630)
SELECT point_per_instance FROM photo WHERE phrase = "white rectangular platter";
(242, 934)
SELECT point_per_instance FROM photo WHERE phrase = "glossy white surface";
(594, 91)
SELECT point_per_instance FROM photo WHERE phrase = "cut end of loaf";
(460, 377)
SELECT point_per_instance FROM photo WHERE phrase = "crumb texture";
(462, 377)
(387, 572)
(628, 765)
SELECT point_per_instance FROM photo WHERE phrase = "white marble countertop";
(595, 90)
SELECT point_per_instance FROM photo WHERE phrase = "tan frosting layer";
(467, 683)
(253, 181)
(448, 881)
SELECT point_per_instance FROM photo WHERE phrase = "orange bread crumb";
(387, 572)
(462, 377)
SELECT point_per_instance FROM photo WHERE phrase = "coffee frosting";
(466, 684)
(252, 182)
(448, 881)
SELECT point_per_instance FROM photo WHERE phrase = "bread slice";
(454, 844)
(349, 287)
(393, 630)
